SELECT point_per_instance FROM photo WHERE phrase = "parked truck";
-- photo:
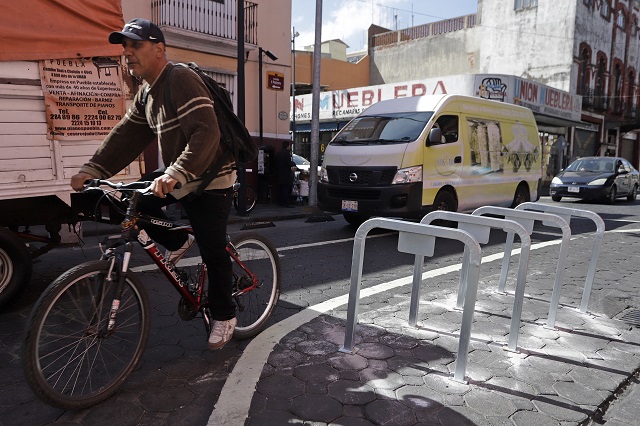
(38, 156)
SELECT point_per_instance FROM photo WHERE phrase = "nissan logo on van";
(353, 178)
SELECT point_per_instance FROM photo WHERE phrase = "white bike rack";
(567, 213)
(527, 219)
(420, 240)
(480, 228)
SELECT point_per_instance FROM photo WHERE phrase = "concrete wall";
(532, 43)
(434, 56)
(335, 74)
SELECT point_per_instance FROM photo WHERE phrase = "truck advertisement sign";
(84, 98)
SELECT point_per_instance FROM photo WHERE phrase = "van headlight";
(408, 175)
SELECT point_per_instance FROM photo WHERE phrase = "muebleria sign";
(342, 105)
(345, 104)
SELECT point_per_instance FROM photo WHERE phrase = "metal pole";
(260, 50)
(293, 87)
(242, 205)
(315, 109)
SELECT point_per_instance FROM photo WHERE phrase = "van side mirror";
(435, 136)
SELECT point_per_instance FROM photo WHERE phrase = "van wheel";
(445, 201)
(355, 219)
(15, 265)
(522, 196)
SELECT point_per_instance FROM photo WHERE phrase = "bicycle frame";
(87, 332)
(132, 221)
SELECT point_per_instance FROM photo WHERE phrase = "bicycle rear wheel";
(70, 359)
(254, 308)
(250, 199)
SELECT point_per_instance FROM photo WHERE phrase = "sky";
(348, 20)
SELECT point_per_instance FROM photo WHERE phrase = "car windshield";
(399, 127)
(592, 165)
(300, 161)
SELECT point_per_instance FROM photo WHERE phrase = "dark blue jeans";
(208, 214)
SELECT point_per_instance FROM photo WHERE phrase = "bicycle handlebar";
(138, 185)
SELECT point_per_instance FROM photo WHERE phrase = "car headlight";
(324, 177)
(408, 175)
(556, 181)
(599, 182)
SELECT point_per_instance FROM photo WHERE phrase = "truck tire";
(15, 266)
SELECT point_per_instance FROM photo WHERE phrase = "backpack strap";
(145, 95)
(210, 174)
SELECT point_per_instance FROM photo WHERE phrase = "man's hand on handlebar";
(160, 187)
(163, 185)
(78, 180)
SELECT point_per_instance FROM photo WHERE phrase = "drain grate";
(632, 317)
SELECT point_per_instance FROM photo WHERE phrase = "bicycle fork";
(117, 274)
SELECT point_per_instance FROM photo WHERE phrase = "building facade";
(554, 57)
(587, 48)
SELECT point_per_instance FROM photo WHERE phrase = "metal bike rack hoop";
(480, 227)
(567, 213)
(420, 240)
(527, 218)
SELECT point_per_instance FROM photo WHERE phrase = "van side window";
(449, 126)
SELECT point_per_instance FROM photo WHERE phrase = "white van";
(407, 156)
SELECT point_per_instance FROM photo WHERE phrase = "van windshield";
(397, 127)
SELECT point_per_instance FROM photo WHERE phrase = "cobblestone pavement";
(401, 375)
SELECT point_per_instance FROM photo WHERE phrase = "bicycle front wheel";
(250, 199)
(254, 307)
(71, 359)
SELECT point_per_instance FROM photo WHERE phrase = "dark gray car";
(596, 178)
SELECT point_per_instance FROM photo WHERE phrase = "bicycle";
(250, 197)
(88, 330)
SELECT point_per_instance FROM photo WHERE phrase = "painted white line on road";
(233, 404)
(192, 261)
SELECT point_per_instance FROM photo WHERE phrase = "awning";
(558, 122)
(59, 29)
(324, 127)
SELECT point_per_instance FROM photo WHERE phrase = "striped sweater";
(187, 133)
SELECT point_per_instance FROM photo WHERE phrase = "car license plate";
(349, 206)
(574, 189)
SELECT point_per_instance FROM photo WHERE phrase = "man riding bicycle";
(186, 128)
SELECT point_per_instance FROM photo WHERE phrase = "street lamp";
(273, 57)
(293, 85)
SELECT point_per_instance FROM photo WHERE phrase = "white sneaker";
(221, 333)
(174, 256)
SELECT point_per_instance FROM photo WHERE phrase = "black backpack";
(233, 133)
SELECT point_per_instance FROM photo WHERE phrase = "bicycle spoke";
(76, 360)
(255, 300)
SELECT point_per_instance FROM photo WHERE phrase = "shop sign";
(275, 80)
(84, 98)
